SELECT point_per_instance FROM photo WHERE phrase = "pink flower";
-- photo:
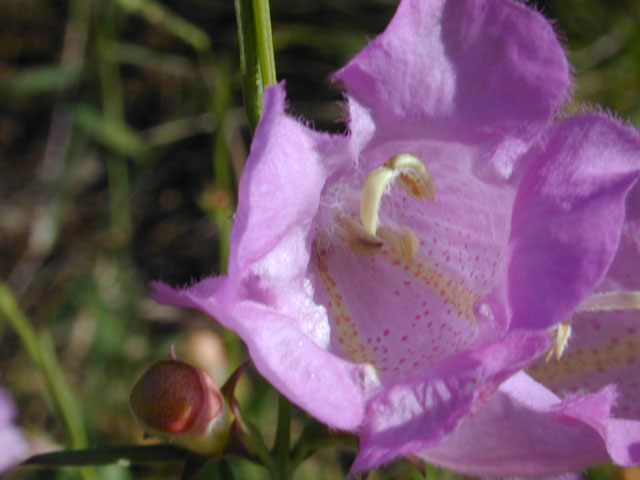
(576, 411)
(13, 447)
(396, 281)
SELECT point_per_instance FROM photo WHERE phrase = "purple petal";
(7, 408)
(462, 68)
(623, 273)
(13, 447)
(604, 349)
(278, 199)
(415, 414)
(567, 217)
(525, 430)
(266, 298)
(314, 379)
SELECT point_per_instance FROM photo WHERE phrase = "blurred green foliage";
(122, 136)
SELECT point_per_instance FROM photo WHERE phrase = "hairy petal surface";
(309, 376)
(406, 337)
(412, 415)
(265, 297)
(526, 430)
(460, 68)
(567, 217)
(604, 348)
(278, 199)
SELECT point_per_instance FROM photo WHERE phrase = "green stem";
(249, 62)
(65, 401)
(10, 311)
(221, 202)
(113, 111)
(257, 60)
(281, 448)
(42, 353)
(262, 20)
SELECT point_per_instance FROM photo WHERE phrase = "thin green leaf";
(66, 402)
(160, 16)
(148, 58)
(135, 454)
(42, 353)
(42, 80)
(111, 133)
(282, 444)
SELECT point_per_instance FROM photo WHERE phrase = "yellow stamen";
(608, 301)
(358, 239)
(404, 243)
(563, 332)
(374, 188)
(413, 176)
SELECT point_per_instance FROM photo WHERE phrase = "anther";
(367, 237)
(358, 239)
(404, 242)
(412, 175)
(563, 332)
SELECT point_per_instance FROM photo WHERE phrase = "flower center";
(399, 245)
(367, 237)
(393, 301)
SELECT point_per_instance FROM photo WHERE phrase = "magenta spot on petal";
(385, 332)
(404, 338)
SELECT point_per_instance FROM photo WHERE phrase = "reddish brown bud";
(182, 404)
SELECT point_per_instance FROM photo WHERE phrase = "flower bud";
(181, 404)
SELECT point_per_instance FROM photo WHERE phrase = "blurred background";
(122, 136)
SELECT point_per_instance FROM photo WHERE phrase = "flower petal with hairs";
(390, 281)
